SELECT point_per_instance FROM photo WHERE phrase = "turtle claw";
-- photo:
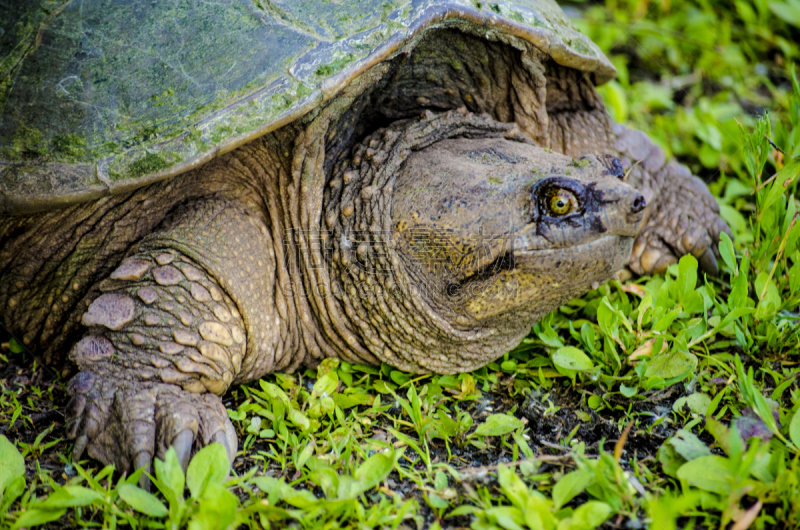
(128, 423)
(143, 460)
(80, 445)
(708, 263)
(221, 437)
(183, 447)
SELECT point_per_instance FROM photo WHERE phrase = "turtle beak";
(623, 208)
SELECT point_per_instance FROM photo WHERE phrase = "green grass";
(628, 406)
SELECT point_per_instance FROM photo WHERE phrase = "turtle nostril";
(638, 204)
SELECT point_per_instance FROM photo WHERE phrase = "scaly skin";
(164, 324)
(169, 294)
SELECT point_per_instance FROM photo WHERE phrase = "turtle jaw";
(541, 280)
(554, 259)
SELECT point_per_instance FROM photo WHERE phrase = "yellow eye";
(561, 202)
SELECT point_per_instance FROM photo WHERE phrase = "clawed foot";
(127, 423)
(684, 220)
(682, 217)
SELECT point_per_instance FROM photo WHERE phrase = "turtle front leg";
(682, 216)
(170, 331)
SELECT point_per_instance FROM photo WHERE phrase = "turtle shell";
(104, 96)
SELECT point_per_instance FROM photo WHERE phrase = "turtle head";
(496, 230)
(447, 237)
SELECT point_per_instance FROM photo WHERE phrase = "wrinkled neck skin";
(382, 295)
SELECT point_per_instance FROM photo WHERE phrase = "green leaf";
(771, 302)
(326, 384)
(513, 486)
(298, 418)
(733, 315)
(170, 474)
(788, 11)
(733, 217)
(594, 402)
(498, 425)
(757, 147)
(399, 377)
(693, 302)
(688, 445)
(587, 335)
(794, 274)
(788, 173)
(538, 514)
(69, 497)
(440, 482)
(446, 426)
(12, 493)
(670, 460)
(616, 100)
(273, 487)
(437, 502)
(571, 358)
(764, 409)
(142, 501)
(302, 499)
(628, 391)
(507, 517)
(217, 511)
(621, 317)
(372, 472)
(687, 276)
(12, 465)
(607, 318)
(209, 466)
(794, 428)
(673, 364)
(305, 454)
(710, 473)
(697, 403)
(666, 321)
(464, 509)
(34, 517)
(728, 252)
(738, 297)
(274, 392)
(571, 485)
(321, 406)
(15, 347)
(346, 401)
(590, 515)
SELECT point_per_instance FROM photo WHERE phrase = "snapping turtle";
(216, 191)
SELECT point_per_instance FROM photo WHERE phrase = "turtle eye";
(561, 202)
